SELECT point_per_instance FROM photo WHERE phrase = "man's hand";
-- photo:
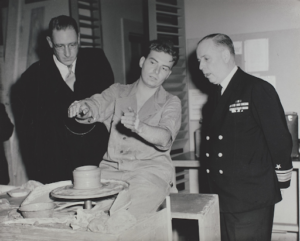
(131, 121)
(82, 111)
(158, 136)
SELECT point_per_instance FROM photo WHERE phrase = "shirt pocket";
(153, 120)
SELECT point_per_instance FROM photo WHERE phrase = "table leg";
(194, 180)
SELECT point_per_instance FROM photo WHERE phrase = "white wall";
(112, 11)
(237, 17)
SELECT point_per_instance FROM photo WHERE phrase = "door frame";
(128, 26)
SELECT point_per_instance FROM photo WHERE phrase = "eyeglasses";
(62, 47)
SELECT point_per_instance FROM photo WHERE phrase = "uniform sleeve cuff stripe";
(284, 177)
(285, 171)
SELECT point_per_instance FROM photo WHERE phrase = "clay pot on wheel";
(86, 177)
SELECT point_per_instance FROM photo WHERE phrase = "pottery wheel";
(108, 187)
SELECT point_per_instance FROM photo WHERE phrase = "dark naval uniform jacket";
(246, 145)
(53, 145)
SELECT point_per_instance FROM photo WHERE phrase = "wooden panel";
(88, 17)
(74, 10)
(11, 73)
(155, 227)
(36, 26)
(187, 164)
(201, 207)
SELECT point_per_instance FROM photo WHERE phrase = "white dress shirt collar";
(226, 81)
(63, 69)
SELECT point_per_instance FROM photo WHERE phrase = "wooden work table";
(189, 162)
(154, 226)
(201, 207)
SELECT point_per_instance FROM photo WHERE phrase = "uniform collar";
(226, 81)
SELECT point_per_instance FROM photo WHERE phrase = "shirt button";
(220, 154)
(221, 172)
(207, 138)
(207, 170)
(124, 138)
(207, 154)
(220, 137)
(121, 151)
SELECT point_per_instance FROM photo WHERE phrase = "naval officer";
(246, 143)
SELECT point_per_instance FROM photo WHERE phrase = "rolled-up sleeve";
(104, 103)
(171, 118)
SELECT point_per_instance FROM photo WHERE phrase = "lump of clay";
(25, 189)
(118, 222)
(19, 192)
(98, 225)
(4, 204)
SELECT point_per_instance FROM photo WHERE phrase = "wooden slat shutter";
(87, 13)
(166, 22)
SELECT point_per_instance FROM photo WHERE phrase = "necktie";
(70, 80)
(219, 92)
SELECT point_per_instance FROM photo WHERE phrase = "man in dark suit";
(246, 143)
(53, 145)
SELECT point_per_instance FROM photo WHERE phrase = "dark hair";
(62, 22)
(164, 46)
(220, 39)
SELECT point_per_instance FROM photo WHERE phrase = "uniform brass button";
(207, 138)
(207, 154)
(207, 170)
(220, 154)
(221, 172)
(220, 137)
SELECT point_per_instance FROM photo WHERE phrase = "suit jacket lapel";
(80, 69)
(51, 84)
(49, 80)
